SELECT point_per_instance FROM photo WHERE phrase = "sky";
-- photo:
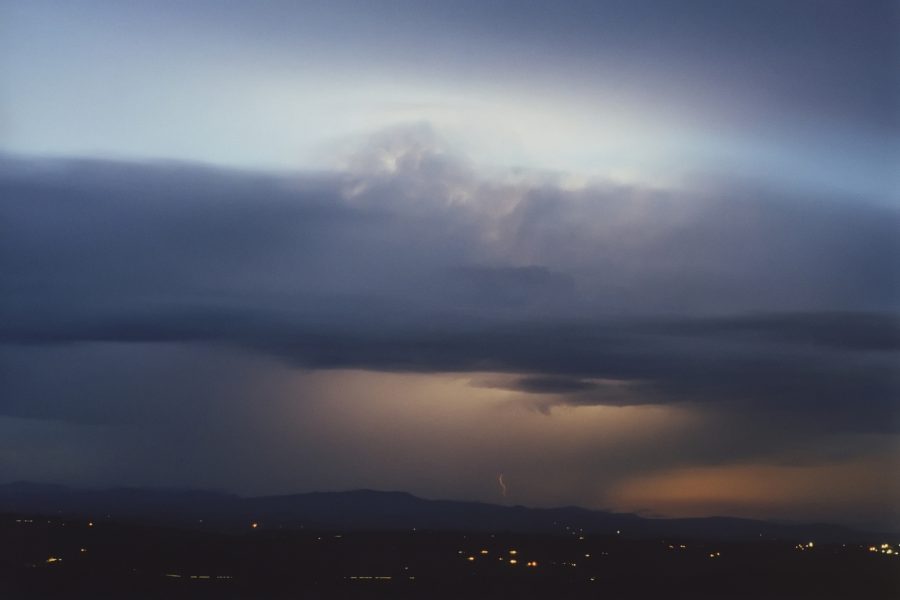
(638, 256)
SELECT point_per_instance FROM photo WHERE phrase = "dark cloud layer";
(732, 296)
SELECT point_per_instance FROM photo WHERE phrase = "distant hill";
(376, 510)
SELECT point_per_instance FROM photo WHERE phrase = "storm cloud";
(635, 255)
(732, 294)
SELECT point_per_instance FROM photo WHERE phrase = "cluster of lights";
(806, 546)
(678, 547)
(885, 549)
(715, 554)
(576, 531)
(512, 560)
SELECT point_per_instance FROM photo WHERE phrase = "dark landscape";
(166, 544)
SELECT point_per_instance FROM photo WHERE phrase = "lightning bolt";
(502, 485)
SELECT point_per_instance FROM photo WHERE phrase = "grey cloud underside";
(737, 297)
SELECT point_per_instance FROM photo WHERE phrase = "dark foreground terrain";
(43, 557)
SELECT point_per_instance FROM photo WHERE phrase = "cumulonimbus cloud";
(732, 294)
